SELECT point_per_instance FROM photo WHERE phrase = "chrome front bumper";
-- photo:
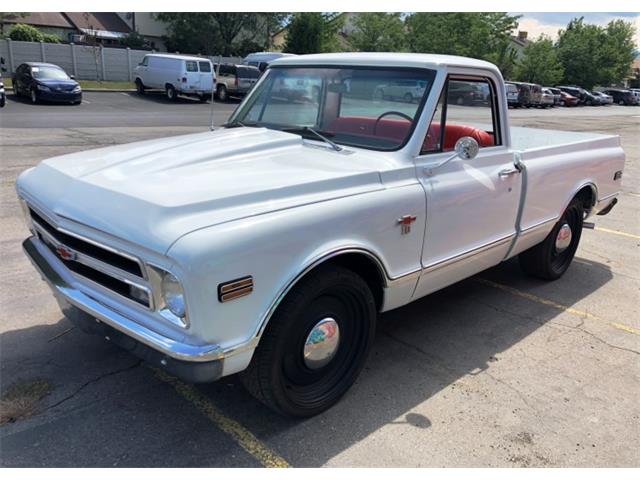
(54, 272)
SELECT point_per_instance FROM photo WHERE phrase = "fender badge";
(405, 222)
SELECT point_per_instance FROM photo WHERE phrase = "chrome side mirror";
(467, 148)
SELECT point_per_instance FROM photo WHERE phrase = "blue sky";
(536, 23)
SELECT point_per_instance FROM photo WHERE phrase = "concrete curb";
(116, 90)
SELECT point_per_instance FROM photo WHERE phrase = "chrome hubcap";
(563, 239)
(322, 343)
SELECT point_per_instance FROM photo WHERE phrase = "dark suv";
(524, 94)
(621, 97)
(235, 80)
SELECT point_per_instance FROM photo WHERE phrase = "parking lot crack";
(91, 382)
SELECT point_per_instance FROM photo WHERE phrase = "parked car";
(261, 60)
(45, 82)
(270, 251)
(535, 95)
(512, 95)
(557, 95)
(235, 80)
(621, 96)
(465, 93)
(176, 75)
(603, 97)
(569, 100)
(636, 93)
(546, 98)
(591, 100)
(574, 91)
(524, 94)
(409, 91)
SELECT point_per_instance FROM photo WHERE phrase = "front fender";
(276, 249)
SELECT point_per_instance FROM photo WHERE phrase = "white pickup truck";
(269, 246)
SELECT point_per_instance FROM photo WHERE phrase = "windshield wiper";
(333, 144)
(238, 123)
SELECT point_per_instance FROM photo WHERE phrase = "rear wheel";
(315, 345)
(223, 96)
(551, 258)
(139, 87)
(171, 93)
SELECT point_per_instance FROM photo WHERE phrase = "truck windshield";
(374, 108)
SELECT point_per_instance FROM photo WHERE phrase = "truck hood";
(153, 192)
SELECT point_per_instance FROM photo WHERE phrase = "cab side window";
(467, 108)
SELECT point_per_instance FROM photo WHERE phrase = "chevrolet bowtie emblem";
(405, 222)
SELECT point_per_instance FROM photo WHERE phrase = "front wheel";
(34, 96)
(139, 87)
(551, 258)
(315, 345)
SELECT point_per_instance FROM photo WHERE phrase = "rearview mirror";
(467, 148)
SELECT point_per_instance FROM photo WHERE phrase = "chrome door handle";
(507, 172)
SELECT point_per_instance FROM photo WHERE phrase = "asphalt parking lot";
(498, 370)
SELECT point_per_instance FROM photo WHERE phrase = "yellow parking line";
(240, 434)
(616, 232)
(550, 303)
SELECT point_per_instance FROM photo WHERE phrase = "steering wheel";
(390, 112)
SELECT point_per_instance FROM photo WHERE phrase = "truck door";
(471, 204)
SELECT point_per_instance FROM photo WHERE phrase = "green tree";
(475, 34)
(25, 33)
(134, 40)
(50, 38)
(540, 63)
(220, 33)
(191, 32)
(378, 32)
(313, 32)
(593, 55)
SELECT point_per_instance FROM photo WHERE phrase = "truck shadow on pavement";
(158, 96)
(106, 409)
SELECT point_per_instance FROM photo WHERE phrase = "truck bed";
(534, 141)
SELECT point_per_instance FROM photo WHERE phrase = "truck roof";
(384, 60)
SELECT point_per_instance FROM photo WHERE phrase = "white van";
(262, 59)
(176, 75)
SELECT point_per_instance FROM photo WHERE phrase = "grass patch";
(88, 84)
(21, 399)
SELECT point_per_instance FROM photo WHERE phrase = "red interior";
(397, 130)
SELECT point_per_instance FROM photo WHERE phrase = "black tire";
(171, 93)
(544, 260)
(16, 92)
(278, 375)
(33, 96)
(3, 101)
(203, 98)
(222, 93)
(139, 87)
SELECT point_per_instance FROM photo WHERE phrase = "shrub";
(50, 38)
(25, 33)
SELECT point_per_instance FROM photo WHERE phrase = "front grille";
(109, 269)
(106, 256)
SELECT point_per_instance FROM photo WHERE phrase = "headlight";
(43, 88)
(77, 89)
(173, 295)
